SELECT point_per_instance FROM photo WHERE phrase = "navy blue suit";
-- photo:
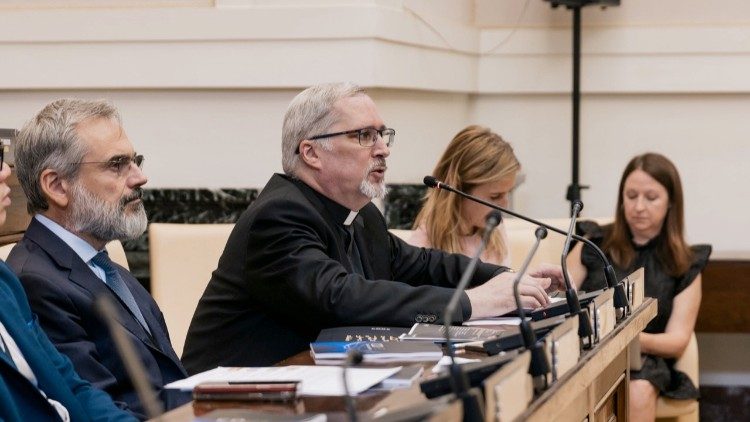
(19, 398)
(62, 288)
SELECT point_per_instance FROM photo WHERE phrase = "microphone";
(539, 365)
(137, 373)
(472, 409)
(353, 358)
(574, 305)
(620, 298)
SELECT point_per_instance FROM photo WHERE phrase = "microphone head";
(577, 206)
(493, 218)
(354, 357)
(540, 233)
(430, 181)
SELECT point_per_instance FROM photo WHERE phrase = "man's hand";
(553, 273)
(495, 297)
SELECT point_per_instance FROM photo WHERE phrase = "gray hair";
(311, 113)
(50, 141)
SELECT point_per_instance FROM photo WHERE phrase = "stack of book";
(335, 352)
(361, 333)
(459, 334)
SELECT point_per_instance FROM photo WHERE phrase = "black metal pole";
(574, 190)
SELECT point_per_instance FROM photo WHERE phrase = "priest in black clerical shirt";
(290, 267)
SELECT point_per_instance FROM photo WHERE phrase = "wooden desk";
(598, 384)
(596, 387)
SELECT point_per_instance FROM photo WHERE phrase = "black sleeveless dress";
(658, 284)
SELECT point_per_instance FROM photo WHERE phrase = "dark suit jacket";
(20, 400)
(62, 288)
(284, 275)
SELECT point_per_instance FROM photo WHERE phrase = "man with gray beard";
(83, 182)
(314, 252)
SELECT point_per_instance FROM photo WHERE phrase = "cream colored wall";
(705, 135)
(205, 87)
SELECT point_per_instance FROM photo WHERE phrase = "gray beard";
(371, 190)
(104, 220)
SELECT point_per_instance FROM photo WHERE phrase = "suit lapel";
(80, 274)
(159, 339)
(48, 378)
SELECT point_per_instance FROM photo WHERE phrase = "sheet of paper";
(314, 380)
(494, 321)
(443, 363)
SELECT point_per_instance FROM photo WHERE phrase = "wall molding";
(383, 44)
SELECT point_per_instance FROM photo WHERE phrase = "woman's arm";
(576, 269)
(680, 326)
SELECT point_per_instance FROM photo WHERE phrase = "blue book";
(376, 351)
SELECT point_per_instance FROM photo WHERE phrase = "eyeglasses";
(366, 136)
(120, 163)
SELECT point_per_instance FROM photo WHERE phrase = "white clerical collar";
(350, 218)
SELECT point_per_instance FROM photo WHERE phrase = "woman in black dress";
(648, 232)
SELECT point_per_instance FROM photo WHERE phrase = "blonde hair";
(475, 156)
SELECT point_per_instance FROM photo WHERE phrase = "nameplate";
(509, 390)
(635, 288)
(563, 348)
(602, 313)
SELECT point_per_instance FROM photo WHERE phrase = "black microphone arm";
(152, 406)
(620, 298)
(585, 331)
(539, 364)
(459, 381)
(353, 357)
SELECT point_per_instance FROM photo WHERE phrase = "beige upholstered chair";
(114, 249)
(682, 410)
(5, 250)
(401, 234)
(117, 253)
(183, 256)
(521, 238)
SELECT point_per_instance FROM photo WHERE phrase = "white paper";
(446, 361)
(494, 321)
(314, 380)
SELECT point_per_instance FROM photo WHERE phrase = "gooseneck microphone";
(620, 298)
(459, 382)
(574, 305)
(152, 406)
(539, 365)
(353, 358)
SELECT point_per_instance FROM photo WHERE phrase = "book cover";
(436, 333)
(401, 379)
(376, 351)
(361, 333)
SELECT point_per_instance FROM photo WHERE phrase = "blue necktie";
(116, 283)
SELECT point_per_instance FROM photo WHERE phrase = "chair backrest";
(183, 256)
(688, 362)
(521, 238)
(402, 234)
(5, 251)
(117, 253)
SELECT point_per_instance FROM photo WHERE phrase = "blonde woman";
(480, 162)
